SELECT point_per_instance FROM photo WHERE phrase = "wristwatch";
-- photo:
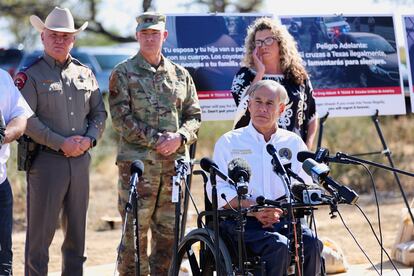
(93, 141)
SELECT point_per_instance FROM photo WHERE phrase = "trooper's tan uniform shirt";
(67, 102)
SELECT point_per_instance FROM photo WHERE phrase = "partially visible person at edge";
(271, 53)
(155, 110)
(14, 112)
(69, 118)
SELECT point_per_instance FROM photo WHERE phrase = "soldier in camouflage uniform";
(69, 117)
(155, 109)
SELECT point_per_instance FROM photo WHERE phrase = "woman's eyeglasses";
(268, 41)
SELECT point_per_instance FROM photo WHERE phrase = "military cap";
(150, 20)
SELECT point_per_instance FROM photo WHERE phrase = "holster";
(27, 150)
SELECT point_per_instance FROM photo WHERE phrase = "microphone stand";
(344, 156)
(215, 218)
(181, 174)
(132, 205)
(299, 257)
(241, 222)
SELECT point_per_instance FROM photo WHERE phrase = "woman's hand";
(258, 62)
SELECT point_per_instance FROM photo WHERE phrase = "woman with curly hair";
(271, 53)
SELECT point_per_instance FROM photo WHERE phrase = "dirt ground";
(102, 242)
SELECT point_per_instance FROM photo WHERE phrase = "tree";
(229, 5)
(18, 11)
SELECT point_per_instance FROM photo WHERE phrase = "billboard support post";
(385, 151)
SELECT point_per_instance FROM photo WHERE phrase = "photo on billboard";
(352, 61)
(408, 23)
(211, 48)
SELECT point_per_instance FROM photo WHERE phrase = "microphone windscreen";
(303, 155)
(206, 163)
(260, 200)
(297, 191)
(239, 167)
(308, 164)
(137, 167)
(270, 149)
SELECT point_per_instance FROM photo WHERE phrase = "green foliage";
(94, 39)
(106, 146)
(349, 135)
(208, 135)
(358, 135)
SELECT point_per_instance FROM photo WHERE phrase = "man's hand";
(168, 143)
(268, 216)
(2, 130)
(71, 147)
(85, 142)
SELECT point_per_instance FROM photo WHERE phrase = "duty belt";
(50, 150)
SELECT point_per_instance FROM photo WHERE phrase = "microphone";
(319, 173)
(277, 166)
(137, 168)
(261, 200)
(307, 194)
(239, 171)
(206, 164)
(290, 173)
(181, 169)
(323, 156)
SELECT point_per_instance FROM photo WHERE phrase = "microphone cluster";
(319, 173)
(239, 173)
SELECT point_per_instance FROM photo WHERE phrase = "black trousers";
(272, 245)
(6, 222)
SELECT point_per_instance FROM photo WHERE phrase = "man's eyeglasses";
(268, 41)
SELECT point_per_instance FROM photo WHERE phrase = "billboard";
(211, 48)
(352, 62)
(408, 23)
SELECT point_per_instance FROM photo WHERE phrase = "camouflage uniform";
(145, 102)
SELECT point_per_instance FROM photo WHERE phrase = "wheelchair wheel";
(198, 248)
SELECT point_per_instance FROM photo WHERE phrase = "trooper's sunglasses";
(268, 41)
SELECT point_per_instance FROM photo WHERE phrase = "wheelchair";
(200, 249)
(207, 257)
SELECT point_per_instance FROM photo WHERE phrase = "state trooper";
(69, 118)
(155, 110)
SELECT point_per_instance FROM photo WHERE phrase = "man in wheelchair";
(266, 230)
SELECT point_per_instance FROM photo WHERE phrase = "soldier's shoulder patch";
(20, 80)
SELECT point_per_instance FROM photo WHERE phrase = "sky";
(120, 14)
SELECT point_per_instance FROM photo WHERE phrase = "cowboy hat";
(59, 20)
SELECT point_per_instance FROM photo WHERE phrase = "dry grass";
(343, 135)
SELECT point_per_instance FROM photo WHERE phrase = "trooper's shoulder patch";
(20, 80)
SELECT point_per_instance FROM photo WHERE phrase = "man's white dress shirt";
(249, 144)
(12, 105)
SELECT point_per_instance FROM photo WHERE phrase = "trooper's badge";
(285, 153)
(20, 80)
